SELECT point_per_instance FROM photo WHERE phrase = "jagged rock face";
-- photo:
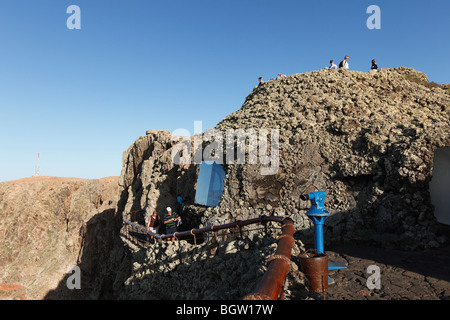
(150, 179)
(366, 139)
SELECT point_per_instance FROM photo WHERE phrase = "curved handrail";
(270, 286)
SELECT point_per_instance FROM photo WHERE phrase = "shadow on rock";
(103, 262)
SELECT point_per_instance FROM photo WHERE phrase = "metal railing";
(271, 285)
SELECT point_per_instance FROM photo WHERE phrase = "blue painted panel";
(210, 184)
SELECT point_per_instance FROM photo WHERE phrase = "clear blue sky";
(82, 97)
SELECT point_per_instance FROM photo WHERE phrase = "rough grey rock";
(367, 139)
(209, 271)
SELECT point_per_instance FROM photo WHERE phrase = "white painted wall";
(440, 185)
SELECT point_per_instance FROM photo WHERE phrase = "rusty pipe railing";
(237, 223)
(271, 285)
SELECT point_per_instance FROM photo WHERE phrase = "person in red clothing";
(153, 224)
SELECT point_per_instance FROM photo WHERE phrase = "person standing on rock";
(344, 63)
(153, 223)
(374, 65)
(332, 65)
(170, 220)
(260, 79)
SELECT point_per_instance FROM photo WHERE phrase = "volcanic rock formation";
(366, 139)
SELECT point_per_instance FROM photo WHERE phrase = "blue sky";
(82, 97)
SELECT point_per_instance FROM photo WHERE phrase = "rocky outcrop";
(209, 271)
(149, 176)
(367, 139)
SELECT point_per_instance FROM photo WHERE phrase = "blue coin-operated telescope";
(318, 214)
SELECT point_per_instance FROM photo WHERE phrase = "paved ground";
(423, 275)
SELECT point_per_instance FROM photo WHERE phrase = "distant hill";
(45, 222)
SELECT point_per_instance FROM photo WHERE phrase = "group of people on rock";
(342, 65)
(170, 219)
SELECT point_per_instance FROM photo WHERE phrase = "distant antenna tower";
(38, 167)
